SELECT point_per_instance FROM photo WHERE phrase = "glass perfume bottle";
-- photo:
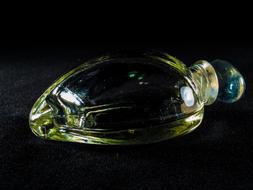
(137, 99)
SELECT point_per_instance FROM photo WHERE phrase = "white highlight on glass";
(187, 95)
(70, 97)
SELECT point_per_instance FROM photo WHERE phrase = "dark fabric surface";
(215, 156)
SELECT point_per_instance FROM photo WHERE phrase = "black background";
(33, 54)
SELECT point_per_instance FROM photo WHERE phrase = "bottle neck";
(205, 81)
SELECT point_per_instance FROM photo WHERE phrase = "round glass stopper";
(231, 82)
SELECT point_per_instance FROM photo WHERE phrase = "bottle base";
(123, 137)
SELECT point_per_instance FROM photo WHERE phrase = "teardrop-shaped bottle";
(135, 99)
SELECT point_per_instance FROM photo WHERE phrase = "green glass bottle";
(132, 99)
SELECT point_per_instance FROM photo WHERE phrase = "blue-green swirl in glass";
(232, 84)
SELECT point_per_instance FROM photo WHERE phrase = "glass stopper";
(231, 82)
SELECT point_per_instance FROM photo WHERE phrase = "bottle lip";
(211, 90)
(213, 87)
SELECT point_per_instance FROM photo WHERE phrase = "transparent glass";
(126, 99)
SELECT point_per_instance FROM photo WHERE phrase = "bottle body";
(120, 100)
